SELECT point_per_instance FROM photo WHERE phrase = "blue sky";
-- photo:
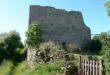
(14, 14)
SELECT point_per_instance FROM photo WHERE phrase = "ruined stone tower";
(64, 27)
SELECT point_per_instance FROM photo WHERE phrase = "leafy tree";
(106, 47)
(34, 34)
(104, 37)
(107, 4)
(9, 42)
(95, 45)
(13, 40)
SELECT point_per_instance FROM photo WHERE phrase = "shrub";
(9, 42)
(106, 58)
(19, 55)
(49, 45)
(34, 34)
(95, 45)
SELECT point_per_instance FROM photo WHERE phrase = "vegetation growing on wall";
(49, 45)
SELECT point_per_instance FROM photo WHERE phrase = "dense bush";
(34, 34)
(6, 67)
(13, 40)
(9, 42)
(105, 39)
(101, 44)
(19, 55)
(95, 46)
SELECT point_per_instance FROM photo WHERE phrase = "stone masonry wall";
(61, 26)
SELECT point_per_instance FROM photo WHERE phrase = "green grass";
(7, 68)
(47, 69)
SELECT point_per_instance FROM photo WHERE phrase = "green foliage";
(20, 51)
(6, 67)
(95, 45)
(106, 58)
(22, 68)
(19, 55)
(13, 40)
(9, 42)
(105, 39)
(91, 57)
(48, 69)
(100, 43)
(71, 56)
(49, 45)
(107, 4)
(34, 34)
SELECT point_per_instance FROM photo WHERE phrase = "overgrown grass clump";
(47, 69)
(7, 68)
(49, 45)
